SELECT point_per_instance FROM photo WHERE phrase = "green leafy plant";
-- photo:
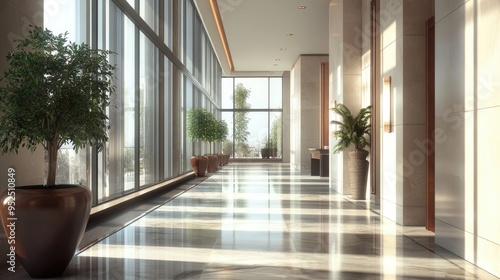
(199, 125)
(241, 120)
(54, 92)
(221, 130)
(227, 147)
(270, 142)
(352, 130)
(203, 126)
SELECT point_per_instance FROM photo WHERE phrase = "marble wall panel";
(454, 91)
(413, 216)
(352, 92)
(305, 103)
(295, 124)
(454, 239)
(403, 58)
(445, 7)
(413, 107)
(413, 13)
(390, 210)
(488, 255)
(392, 65)
(345, 72)
(391, 21)
(488, 179)
(365, 33)
(488, 56)
(414, 169)
(466, 183)
(389, 168)
(455, 170)
(286, 116)
(352, 37)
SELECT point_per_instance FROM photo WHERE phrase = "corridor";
(264, 221)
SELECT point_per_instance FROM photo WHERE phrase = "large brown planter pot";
(269, 152)
(213, 163)
(358, 173)
(265, 152)
(199, 165)
(47, 225)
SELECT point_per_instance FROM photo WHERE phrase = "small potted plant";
(270, 148)
(54, 92)
(354, 131)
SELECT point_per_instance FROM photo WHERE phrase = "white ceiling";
(256, 32)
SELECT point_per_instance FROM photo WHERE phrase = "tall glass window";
(168, 22)
(168, 126)
(117, 163)
(72, 167)
(147, 117)
(149, 12)
(252, 108)
(148, 113)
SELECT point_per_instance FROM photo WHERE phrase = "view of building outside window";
(252, 108)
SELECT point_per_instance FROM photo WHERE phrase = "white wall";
(14, 24)
(467, 114)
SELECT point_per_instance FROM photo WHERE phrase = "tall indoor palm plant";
(354, 131)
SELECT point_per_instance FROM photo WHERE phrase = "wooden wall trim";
(325, 105)
(430, 126)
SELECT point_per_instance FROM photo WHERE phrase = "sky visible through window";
(265, 102)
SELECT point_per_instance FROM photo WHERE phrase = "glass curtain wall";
(252, 108)
(165, 66)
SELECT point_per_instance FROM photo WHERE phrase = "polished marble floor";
(264, 221)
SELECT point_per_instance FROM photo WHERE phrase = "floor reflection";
(265, 221)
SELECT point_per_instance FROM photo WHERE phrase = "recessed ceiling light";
(301, 7)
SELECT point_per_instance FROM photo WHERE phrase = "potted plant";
(198, 129)
(212, 127)
(270, 148)
(54, 92)
(227, 149)
(220, 136)
(352, 131)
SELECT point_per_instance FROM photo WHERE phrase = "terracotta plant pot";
(47, 225)
(199, 165)
(213, 163)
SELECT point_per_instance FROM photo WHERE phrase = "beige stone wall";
(467, 114)
(14, 24)
(345, 75)
(403, 178)
(304, 107)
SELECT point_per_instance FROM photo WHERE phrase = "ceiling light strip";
(222, 33)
